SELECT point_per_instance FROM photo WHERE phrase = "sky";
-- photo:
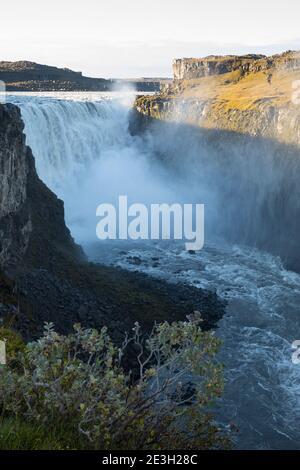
(135, 38)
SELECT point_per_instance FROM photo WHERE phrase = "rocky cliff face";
(279, 123)
(190, 68)
(243, 130)
(32, 226)
(258, 96)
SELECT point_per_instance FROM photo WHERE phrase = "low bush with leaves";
(78, 385)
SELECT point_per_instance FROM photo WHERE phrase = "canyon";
(45, 276)
(244, 281)
(245, 127)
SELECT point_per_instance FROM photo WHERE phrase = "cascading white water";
(262, 393)
(68, 136)
(85, 153)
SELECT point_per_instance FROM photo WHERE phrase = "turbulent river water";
(86, 155)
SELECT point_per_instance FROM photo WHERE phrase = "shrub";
(78, 383)
(14, 343)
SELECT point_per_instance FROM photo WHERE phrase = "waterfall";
(67, 136)
(85, 153)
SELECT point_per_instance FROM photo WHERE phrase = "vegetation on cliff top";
(235, 100)
(234, 91)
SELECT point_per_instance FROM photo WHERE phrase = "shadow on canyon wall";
(249, 184)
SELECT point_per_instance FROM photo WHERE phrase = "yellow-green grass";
(232, 91)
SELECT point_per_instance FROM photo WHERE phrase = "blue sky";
(130, 38)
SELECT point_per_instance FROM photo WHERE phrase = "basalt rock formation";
(32, 228)
(188, 69)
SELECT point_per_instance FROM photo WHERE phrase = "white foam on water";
(262, 392)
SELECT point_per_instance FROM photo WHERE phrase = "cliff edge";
(255, 95)
(30, 76)
(188, 69)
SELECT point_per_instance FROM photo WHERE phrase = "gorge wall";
(32, 226)
(236, 138)
(255, 95)
(190, 68)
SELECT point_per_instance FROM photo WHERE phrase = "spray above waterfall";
(86, 155)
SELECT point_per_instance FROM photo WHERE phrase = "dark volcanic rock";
(96, 295)
(32, 227)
